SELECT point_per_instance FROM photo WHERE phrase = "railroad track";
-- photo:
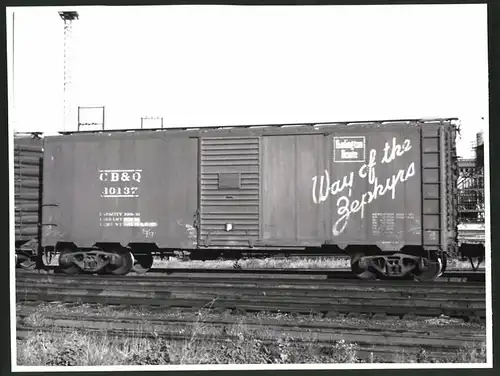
(262, 293)
(440, 342)
(449, 275)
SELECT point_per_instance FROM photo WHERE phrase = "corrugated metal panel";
(27, 188)
(229, 188)
(472, 233)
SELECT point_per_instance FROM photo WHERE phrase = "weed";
(203, 345)
(471, 354)
(326, 262)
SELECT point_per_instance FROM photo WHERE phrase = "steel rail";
(461, 275)
(210, 281)
(292, 323)
(452, 299)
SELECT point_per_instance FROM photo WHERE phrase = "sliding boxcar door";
(229, 205)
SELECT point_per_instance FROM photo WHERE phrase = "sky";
(230, 65)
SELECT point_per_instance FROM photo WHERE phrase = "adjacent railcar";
(383, 192)
(28, 156)
(472, 239)
(471, 227)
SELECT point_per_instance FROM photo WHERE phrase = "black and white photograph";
(205, 187)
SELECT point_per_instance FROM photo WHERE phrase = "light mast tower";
(68, 18)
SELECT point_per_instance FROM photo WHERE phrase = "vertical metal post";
(13, 59)
(68, 18)
(13, 116)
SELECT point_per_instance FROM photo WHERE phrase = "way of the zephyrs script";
(346, 207)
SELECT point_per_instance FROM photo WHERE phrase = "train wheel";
(444, 264)
(433, 271)
(479, 259)
(360, 272)
(124, 261)
(48, 258)
(66, 266)
(143, 263)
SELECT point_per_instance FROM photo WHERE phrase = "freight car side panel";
(125, 189)
(372, 187)
(355, 186)
(289, 215)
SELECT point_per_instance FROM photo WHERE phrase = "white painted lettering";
(136, 176)
(345, 144)
(325, 188)
(379, 187)
(119, 183)
(348, 154)
(395, 150)
(371, 167)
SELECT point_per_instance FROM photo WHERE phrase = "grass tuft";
(327, 262)
(472, 354)
(244, 344)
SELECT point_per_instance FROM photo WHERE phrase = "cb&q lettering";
(120, 183)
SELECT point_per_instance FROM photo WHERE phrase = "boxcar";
(383, 192)
(28, 152)
(471, 226)
(471, 240)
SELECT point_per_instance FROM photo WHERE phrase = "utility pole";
(68, 18)
(13, 115)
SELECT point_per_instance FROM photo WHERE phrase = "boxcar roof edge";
(260, 129)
